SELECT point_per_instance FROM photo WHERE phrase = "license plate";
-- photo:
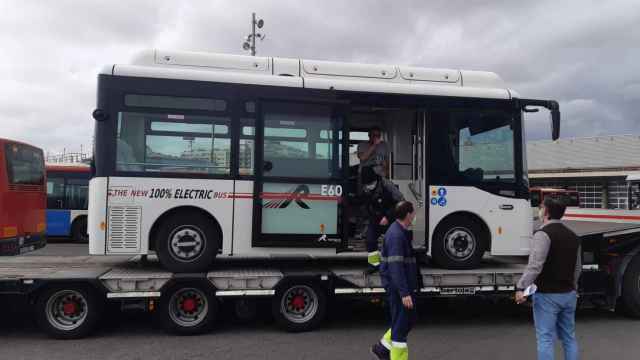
(26, 249)
(458, 291)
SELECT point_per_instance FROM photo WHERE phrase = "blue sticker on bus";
(441, 199)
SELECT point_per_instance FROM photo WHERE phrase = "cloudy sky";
(585, 54)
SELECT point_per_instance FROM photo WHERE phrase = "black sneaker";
(380, 352)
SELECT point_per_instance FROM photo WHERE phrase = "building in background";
(596, 167)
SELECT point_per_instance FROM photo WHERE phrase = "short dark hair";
(555, 206)
(375, 129)
(403, 208)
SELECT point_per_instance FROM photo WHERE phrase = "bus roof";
(4, 141)
(79, 168)
(313, 74)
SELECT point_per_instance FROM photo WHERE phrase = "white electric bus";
(202, 155)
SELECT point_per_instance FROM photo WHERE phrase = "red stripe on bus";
(615, 217)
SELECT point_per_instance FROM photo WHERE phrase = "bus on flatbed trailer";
(68, 293)
(200, 156)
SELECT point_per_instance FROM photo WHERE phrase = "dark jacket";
(382, 201)
(558, 272)
(398, 268)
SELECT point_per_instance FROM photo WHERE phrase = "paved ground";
(447, 330)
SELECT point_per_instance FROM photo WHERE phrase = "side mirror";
(555, 124)
(100, 115)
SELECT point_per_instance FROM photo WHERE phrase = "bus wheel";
(187, 308)
(79, 231)
(299, 306)
(458, 243)
(631, 288)
(187, 242)
(68, 312)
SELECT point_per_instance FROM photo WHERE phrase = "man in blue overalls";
(399, 274)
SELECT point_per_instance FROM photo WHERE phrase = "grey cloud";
(582, 53)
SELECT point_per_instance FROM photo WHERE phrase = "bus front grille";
(124, 229)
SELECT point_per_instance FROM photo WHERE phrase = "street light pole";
(253, 34)
(250, 40)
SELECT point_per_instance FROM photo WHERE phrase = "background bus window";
(76, 194)
(173, 143)
(55, 193)
(25, 165)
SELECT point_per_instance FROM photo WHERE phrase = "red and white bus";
(23, 198)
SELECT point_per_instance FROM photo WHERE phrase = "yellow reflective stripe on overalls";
(399, 351)
(374, 258)
(386, 340)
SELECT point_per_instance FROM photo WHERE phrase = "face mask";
(370, 187)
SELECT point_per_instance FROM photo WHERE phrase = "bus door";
(417, 185)
(301, 167)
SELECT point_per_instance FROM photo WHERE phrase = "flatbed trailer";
(67, 294)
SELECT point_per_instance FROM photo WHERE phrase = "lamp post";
(250, 40)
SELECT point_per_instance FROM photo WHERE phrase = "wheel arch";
(472, 217)
(153, 232)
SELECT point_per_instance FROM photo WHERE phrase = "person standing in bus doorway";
(381, 197)
(554, 266)
(374, 153)
(399, 275)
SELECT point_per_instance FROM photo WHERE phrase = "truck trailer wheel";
(187, 308)
(187, 242)
(459, 242)
(299, 306)
(631, 288)
(68, 312)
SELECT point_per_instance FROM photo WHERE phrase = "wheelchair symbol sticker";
(441, 199)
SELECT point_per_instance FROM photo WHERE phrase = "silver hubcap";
(299, 304)
(188, 307)
(187, 243)
(66, 310)
(460, 243)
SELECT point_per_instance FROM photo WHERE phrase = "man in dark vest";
(554, 266)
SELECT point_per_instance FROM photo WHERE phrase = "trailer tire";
(459, 242)
(187, 242)
(79, 231)
(631, 289)
(187, 308)
(68, 312)
(299, 306)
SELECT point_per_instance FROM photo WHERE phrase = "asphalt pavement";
(462, 329)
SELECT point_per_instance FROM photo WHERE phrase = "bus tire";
(187, 308)
(459, 242)
(187, 242)
(299, 306)
(68, 312)
(631, 289)
(79, 230)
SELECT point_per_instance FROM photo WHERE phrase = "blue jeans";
(554, 315)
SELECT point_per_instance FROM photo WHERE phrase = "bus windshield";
(24, 164)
